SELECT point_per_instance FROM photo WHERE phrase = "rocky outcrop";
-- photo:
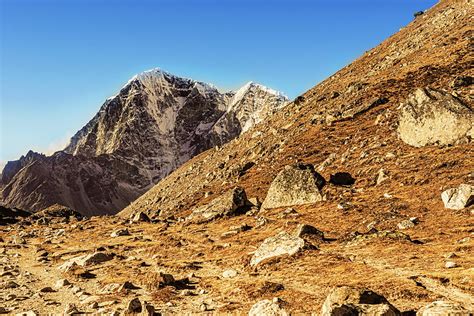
(227, 204)
(432, 116)
(295, 185)
(458, 198)
(351, 301)
(275, 246)
(443, 308)
(153, 125)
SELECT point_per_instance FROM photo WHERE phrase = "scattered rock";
(451, 264)
(62, 283)
(86, 260)
(295, 185)
(148, 309)
(431, 116)
(164, 279)
(120, 232)
(140, 217)
(458, 198)
(228, 204)
(71, 309)
(443, 308)
(268, 308)
(8, 285)
(342, 178)
(47, 289)
(381, 176)
(228, 274)
(204, 307)
(281, 244)
(408, 223)
(351, 301)
(134, 306)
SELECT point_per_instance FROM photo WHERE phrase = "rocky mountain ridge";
(157, 122)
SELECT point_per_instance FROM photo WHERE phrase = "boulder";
(352, 301)
(432, 116)
(281, 244)
(295, 185)
(458, 198)
(439, 308)
(228, 204)
(267, 308)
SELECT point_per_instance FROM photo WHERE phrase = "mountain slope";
(157, 122)
(386, 230)
(434, 50)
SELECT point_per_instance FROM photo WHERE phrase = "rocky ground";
(367, 189)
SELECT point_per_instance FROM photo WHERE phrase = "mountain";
(367, 186)
(153, 125)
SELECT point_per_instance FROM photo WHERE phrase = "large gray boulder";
(281, 244)
(225, 205)
(432, 116)
(458, 198)
(295, 185)
(352, 301)
(439, 308)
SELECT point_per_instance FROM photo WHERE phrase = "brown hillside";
(348, 123)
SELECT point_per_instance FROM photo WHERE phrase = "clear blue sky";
(60, 59)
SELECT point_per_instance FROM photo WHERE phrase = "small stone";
(140, 217)
(231, 273)
(204, 307)
(451, 255)
(381, 176)
(406, 224)
(148, 309)
(47, 289)
(134, 306)
(8, 285)
(62, 283)
(71, 309)
(120, 232)
(451, 264)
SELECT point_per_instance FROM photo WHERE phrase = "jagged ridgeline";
(153, 125)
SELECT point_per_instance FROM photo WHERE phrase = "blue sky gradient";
(60, 59)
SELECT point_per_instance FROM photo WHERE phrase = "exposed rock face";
(154, 124)
(295, 185)
(350, 301)
(458, 198)
(432, 116)
(227, 204)
(267, 308)
(281, 244)
(443, 308)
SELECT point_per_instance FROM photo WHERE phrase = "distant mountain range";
(153, 125)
